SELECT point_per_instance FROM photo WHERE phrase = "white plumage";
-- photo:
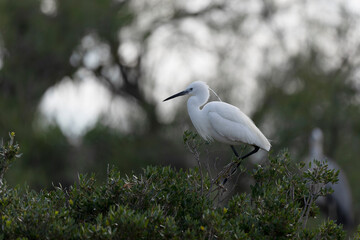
(337, 205)
(219, 120)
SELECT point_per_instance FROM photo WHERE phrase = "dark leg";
(234, 150)
(250, 153)
(240, 158)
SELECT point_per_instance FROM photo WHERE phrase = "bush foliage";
(163, 203)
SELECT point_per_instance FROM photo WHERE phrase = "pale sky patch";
(75, 105)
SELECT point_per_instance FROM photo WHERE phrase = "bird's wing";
(231, 123)
(233, 131)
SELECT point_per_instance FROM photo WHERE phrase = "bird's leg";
(256, 148)
(246, 155)
(234, 150)
(240, 158)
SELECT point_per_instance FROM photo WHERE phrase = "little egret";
(337, 205)
(221, 121)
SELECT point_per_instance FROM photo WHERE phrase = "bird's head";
(195, 88)
(316, 136)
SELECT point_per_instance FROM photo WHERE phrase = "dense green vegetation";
(162, 203)
(298, 90)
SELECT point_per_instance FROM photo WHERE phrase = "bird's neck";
(199, 99)
(196, 115)
(193, 106)
(316, 151)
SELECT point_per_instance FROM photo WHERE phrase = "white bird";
(221, 121)
(337, 205)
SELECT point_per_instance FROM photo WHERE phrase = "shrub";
(162, 203)
(8, 153)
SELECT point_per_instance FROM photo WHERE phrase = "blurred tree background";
(291, 65)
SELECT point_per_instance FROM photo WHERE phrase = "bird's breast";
(200, 122)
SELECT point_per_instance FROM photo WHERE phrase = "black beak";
(177, 95)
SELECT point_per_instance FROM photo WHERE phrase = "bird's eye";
(191, 89)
